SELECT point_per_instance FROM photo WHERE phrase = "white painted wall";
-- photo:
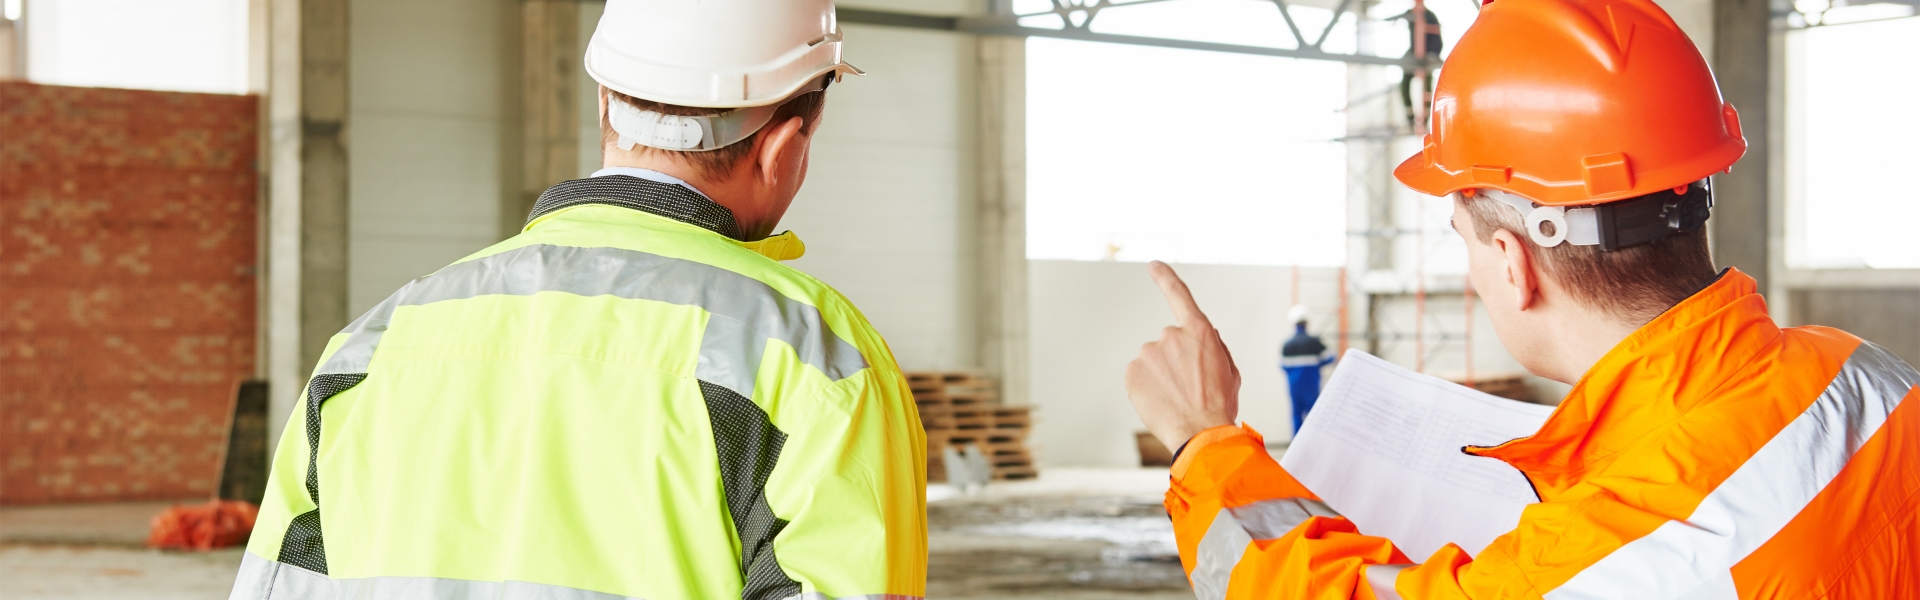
(426, 136)
(1090, 318)
(887, 208)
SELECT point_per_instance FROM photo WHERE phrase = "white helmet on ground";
(1298, 314)
(750, 55)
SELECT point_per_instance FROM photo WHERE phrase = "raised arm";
(1245, 527)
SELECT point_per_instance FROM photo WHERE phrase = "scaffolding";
(1373, 283)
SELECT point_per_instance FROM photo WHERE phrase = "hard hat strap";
(702, 133)
(1614, 225)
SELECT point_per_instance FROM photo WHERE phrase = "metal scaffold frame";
(1076, 19)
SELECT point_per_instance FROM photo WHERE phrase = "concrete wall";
(1090, 318)
(1888, 317)
(887, 210)
(430, 136)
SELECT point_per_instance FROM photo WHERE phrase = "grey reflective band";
(1217, 554)
(1747, 509)
(744, 313)
(1271, 519)
(1381, 578)
(262, 579)
(1226, 539)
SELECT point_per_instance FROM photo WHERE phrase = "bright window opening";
(1853, 143)
(1139, 153)
(176, 45)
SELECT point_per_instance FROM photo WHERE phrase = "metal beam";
(1002, 25)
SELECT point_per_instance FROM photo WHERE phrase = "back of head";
(1635, 283)
(700, 79)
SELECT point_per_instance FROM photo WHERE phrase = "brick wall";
(127, 241)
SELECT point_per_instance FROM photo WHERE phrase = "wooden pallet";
(1017, 418)
(960, 408)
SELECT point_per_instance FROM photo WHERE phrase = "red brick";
(127, 254)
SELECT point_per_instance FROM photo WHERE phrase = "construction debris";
(216, 524)
(960, 409)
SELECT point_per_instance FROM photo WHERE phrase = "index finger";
(1185, 311)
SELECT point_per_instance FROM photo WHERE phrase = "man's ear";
(780, 148)
(1518, 263)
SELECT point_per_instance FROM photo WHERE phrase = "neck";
(1579, 340)
(736, 192)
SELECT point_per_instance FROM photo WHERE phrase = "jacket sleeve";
(851, 486)
(1247, 529)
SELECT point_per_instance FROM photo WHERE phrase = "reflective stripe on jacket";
(1711, 454)
(619, 402)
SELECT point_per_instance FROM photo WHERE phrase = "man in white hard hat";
(632, 398)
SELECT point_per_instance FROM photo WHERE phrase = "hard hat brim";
(1430, 178)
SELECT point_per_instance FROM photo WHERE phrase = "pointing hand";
(1185, 382)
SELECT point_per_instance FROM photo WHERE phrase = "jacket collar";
(673, 201)
(1647, 382)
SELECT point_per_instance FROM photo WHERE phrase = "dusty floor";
(1073, 534)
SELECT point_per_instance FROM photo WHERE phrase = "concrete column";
(550, 52)
(1002, 262)
(1742, 63)
(307, 231)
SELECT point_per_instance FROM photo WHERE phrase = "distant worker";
(1416, 51)
(1302, 357)
(632, 398)
(1703, 452)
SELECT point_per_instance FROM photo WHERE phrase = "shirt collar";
(657, 193)
(650, 175)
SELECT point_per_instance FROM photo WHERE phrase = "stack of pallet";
(960, 409)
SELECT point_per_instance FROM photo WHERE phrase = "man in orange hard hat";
(1703, 452)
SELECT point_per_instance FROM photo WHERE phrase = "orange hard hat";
(1568, 102)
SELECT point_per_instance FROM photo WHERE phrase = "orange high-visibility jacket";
(1710, 455)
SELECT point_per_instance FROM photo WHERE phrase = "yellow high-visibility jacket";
(1710, 455)
(623, 401)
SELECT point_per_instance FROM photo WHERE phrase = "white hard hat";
(711, 54)
(1297, 315)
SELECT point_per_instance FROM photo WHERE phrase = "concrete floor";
(1071, 534)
